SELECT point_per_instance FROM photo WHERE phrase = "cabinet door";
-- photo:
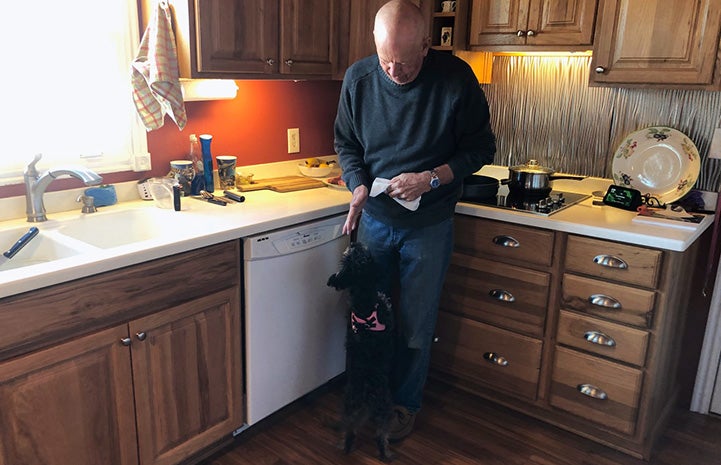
(561, 22)
(71, 404)
(309, 37)
(187, 377)
(362, 17)
(498, 22)
(656, 42)
(236, 36)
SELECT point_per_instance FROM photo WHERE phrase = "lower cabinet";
(152, 389)
(581, 332)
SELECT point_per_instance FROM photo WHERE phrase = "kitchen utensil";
(533, 179)
(234, 196)
(657, 160)
(477, 186)
(212, 198)
(22, 242)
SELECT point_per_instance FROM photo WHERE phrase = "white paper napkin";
(379, 187)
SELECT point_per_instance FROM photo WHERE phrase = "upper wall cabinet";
(256, 39)
(525, 25)
(665, 43)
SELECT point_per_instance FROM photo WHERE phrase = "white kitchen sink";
(45, 247)
(117, 228)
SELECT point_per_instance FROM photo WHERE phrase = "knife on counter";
(22, 242)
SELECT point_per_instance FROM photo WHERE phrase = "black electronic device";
(623, 197)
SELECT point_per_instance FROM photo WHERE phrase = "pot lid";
(532, 167)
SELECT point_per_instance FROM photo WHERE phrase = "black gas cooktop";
(545, 205)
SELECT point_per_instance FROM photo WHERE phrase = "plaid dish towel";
(155, 76)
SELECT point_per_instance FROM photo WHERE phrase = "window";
(67, 91)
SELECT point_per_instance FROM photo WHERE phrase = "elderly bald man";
(417, 118)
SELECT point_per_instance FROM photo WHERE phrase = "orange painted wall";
(252, 126)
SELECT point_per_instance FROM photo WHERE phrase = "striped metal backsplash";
(543, 108)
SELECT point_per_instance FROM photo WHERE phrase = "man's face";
(401, 59)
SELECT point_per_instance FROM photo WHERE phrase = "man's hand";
(409, 186)
(360, 196)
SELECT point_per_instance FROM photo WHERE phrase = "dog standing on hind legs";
(369, 349)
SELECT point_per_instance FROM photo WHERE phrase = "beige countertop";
(201, 224)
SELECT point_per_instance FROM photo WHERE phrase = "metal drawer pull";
(506, 241)
(604, 301)
(597, 337)
(502, 295)
(495, 359)
(610, 261)
(592, 391)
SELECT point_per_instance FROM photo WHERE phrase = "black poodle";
(369, 348)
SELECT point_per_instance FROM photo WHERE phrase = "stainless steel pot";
(532, 178)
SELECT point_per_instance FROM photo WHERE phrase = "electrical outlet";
(293, 140)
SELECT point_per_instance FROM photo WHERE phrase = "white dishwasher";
(294, 323)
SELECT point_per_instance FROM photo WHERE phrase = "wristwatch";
(435, 181)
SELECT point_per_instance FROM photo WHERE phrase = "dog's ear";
(333, 281)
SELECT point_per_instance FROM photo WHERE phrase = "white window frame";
(67, 86)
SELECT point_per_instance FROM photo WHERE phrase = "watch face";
(435, 182)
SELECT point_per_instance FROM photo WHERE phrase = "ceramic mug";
(183, 172)
(448, 7)
(226, 171)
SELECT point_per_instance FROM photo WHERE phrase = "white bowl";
(314, 172)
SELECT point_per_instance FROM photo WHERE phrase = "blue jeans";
(415, 260)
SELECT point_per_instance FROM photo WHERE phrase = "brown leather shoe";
(401, 424)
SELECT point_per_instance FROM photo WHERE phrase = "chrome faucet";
(35, 185)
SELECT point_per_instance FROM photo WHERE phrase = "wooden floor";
(455, 428)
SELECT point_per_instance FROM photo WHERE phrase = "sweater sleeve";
(347, 145)
(476, 143)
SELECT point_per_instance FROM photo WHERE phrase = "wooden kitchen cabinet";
(492, 319)
(256, 39)
(83, 363)
(69, 404)
(532, 25)
(587, 335)
(659, 43)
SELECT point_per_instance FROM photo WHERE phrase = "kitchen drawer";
(484, 238)
(504, 295)
(600, 337)
(609, 260)
(488, 356)
(616, 389)
(608, 300)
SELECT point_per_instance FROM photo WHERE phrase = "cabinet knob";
(520, 33)
(592, 391)
(530, 33)
(141, 335)
(502, 295)
(597, 337)
(270, 62)
(600, 69)
(126, 341)
(436, 339)
(495, 359)
(289, 62)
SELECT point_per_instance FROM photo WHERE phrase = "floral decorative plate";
(658, 160)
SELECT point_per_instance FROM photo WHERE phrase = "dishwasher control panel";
(294, 239)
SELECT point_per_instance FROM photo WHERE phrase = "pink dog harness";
(369, 324)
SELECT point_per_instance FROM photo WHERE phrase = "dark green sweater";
(384, 129)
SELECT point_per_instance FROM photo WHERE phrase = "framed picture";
(446, 36)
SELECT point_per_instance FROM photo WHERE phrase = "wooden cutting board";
(283, 184)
